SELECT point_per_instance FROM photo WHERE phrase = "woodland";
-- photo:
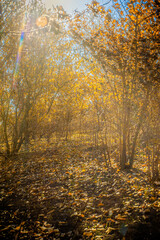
(79, 121)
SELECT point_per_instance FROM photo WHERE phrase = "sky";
(70, 5)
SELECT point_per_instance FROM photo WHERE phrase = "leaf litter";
(50, 195)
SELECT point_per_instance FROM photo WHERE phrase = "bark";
(141, 117)
(123, 159)
(5, 118)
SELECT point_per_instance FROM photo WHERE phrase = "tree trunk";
(123, 159)
(6, 140)
(131, 160)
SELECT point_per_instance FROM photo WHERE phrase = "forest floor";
(65, 193)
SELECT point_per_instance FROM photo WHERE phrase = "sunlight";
(79, 119)
(42, 21)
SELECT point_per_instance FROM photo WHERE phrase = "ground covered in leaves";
(66, 193)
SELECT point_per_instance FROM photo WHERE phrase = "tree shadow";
(147, 229)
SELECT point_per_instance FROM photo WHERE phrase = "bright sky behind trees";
(69, 5)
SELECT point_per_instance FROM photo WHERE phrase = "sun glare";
(42, 21)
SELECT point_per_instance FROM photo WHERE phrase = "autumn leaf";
(87, 234)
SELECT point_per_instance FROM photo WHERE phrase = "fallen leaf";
(120, 218)
(87, 234)
(109, 230)
(110, 220)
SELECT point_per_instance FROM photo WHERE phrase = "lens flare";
(15, 75)
(42, 21)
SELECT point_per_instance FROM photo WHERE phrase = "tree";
(26, 83)
(116, 44)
